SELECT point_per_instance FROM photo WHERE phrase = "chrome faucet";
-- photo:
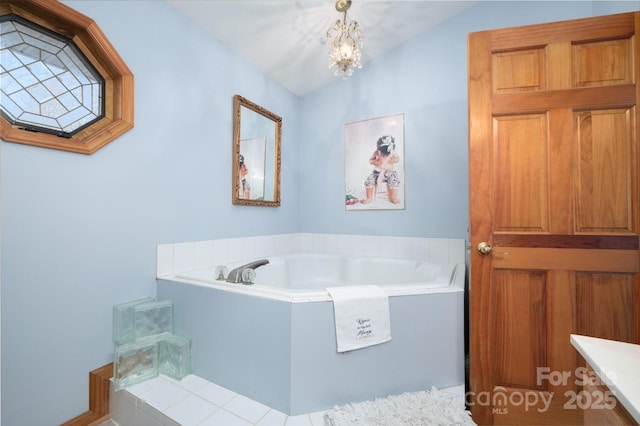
(235, 276)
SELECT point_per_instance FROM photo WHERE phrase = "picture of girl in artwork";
(383, 160)
(251, 168)
(244, 187)
(374, 164)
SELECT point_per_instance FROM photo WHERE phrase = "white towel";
(361, 315)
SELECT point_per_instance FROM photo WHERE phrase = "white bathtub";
(274, 341)
(303, 277)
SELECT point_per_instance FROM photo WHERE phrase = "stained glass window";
(48, 85)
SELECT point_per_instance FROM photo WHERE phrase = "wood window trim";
(85, 33)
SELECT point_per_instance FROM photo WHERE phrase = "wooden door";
(554, 193)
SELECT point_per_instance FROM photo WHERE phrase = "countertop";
(617, 364)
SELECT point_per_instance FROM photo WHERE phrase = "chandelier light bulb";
(346, 50)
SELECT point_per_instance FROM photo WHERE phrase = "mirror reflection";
(256, 153)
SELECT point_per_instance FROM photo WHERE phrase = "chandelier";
(344, 40)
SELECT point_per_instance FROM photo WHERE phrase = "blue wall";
(79, 232)
(426, 80)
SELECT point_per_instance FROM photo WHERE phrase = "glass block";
(123, 321)
(174, 356)
(153, 318)
(135, 363)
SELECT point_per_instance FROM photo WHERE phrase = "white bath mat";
(432, 407)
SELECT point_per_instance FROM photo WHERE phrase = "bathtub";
(303, 277)
(274, 341)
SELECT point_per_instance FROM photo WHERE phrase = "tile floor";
(195, 401)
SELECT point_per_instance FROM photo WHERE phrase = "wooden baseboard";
(87, 419)
(98, 398)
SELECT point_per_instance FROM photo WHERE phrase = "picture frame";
(252, 121)
(374, 164)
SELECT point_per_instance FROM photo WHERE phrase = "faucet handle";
(248, 275)
(221, 272)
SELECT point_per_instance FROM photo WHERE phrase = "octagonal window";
(47, 83)
(60, 76)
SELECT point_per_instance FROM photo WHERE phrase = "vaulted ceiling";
(286, 38)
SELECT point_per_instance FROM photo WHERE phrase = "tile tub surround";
(187, 256)
(198, 402)
(282, 354)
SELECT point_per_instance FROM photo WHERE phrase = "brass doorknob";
(484, 249)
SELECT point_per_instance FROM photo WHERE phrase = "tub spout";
(235, 276)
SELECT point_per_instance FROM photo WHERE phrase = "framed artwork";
(374, 164)
(252, 168)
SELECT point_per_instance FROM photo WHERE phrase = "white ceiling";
(286, 38)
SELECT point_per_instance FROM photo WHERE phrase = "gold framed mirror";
(256, 154)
